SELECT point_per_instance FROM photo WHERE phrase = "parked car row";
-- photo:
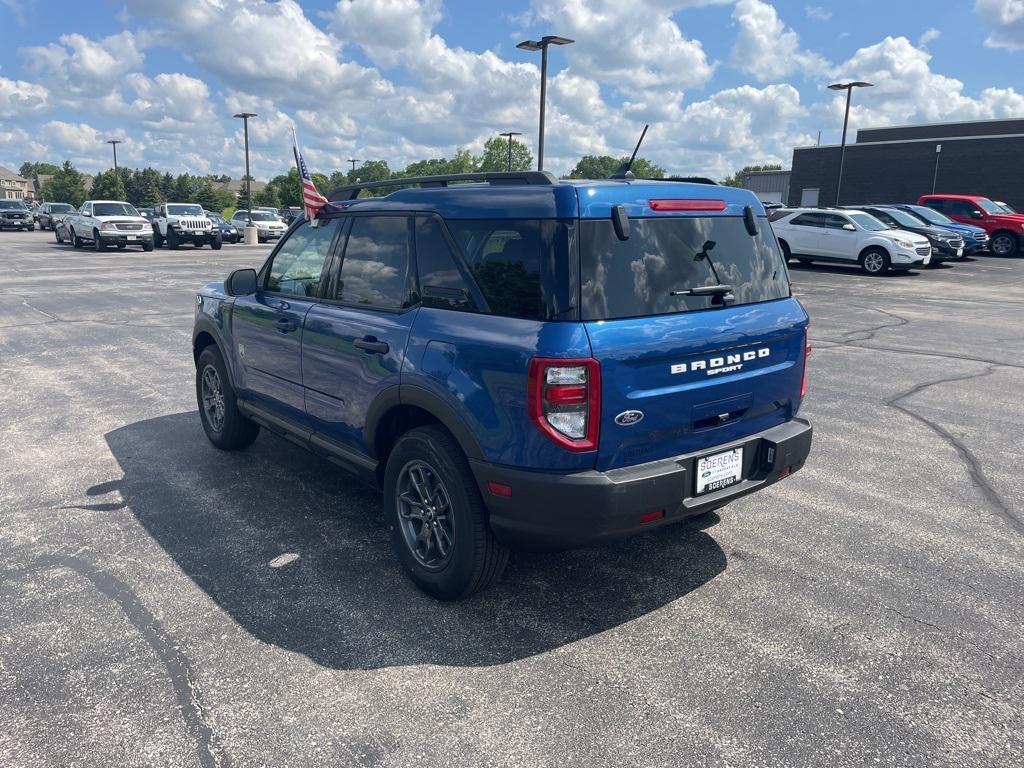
(899, 237)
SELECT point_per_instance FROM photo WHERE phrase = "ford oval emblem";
(629, 418)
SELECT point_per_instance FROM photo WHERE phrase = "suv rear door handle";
(285, 324)
(370, 344)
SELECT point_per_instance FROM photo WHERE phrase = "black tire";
(57, 237)
(97, 241)
(146, 246)
(216, 242)
(158, 239)
(875, 261)
(122, 246)
(786, 253)
(32, 228)
(172, 240)
(1004, 244)
(226, 428)
(76, 241)
(475, 559)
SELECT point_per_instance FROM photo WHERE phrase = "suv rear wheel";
(875, 261)
(438, 521)
(223, 423)
(1004, 244)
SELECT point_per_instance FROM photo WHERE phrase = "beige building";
(13, 186)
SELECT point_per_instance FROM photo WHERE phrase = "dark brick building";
(898, 165)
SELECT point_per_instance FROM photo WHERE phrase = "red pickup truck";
(1006, 230)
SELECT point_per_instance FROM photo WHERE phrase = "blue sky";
(722, 82)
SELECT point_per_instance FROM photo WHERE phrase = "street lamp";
(250, 230)
(113, 143)
(542, 46)
(510, 134)
(848, 87)
(353, 161)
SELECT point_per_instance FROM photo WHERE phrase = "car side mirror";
(977, 215)
(849, 227)
(86, 213)
(241, 282)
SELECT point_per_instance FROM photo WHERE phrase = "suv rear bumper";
(566, 510)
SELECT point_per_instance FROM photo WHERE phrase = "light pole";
(251, 234)
(510, 134)
(848, 87)
(353, 161)
(113, 143)
(542, 46)
(935, 176)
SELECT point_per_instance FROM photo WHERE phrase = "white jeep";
(177, 223)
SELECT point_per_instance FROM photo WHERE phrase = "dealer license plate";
(959, 251)
(131, 237)
(719, 471)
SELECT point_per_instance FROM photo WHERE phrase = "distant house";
(14, 186)
(238, 185)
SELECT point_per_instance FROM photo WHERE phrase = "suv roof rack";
(351, 192)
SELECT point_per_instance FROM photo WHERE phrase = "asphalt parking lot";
(162, 603)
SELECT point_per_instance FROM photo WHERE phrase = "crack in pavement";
(176, 664)
(978, 477)
(922, 352)
(871, 331)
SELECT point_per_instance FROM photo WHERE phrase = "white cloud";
(765, 47)
(1005, 22)
(81, 65)
(817, 13)
(18, 98)
(928, 36)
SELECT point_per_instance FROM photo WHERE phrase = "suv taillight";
(807, 353)
(564, 401)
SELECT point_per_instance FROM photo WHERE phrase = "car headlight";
(106, 226)
(903, 243)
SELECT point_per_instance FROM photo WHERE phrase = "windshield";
(60, 208)
(257, 216)
(902, 217)
(637, 277)
(113, 209)
(185, 210)
(215, 217)
(988, 206)
(870, 223)
(8, 205)
(930, 215)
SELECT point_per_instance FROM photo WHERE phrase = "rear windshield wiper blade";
(704, 290)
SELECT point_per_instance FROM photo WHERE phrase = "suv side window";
(834, 220)
(808, 220)
(443, 285)
(375, 266)
(299, 262)
(937, 204)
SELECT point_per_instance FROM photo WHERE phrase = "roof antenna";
(623, 172)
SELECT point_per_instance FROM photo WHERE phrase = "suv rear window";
(524, 267)
(636, 277)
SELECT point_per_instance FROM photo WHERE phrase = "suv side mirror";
(976, 214)
(241, 282)
(86, 213)
(849, 227)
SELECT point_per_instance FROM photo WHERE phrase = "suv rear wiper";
(725, 291)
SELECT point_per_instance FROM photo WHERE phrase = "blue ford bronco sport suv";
(517, 359)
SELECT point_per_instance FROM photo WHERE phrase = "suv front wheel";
(875, 261)
(1004, 244)
(223, 423)
(438, 521)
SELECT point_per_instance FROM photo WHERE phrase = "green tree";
(66, 186)
(495, 156)
(212, 198)
(167, 186)
(736, 180)
(267, 197)
(289, 192)
(371, 170)
(31, 170)
(462, 162)
(603, 166)
(108, 186)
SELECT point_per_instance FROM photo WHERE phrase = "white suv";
(825, 234)
(268, 225)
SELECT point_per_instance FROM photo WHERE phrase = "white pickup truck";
(105, 223)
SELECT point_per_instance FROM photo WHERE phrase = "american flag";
(312, 200)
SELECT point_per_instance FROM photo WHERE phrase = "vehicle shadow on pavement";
(227, 519)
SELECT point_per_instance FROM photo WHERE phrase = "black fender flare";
(204, 324)
(432, 403)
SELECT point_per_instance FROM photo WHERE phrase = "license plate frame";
(717, 471)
